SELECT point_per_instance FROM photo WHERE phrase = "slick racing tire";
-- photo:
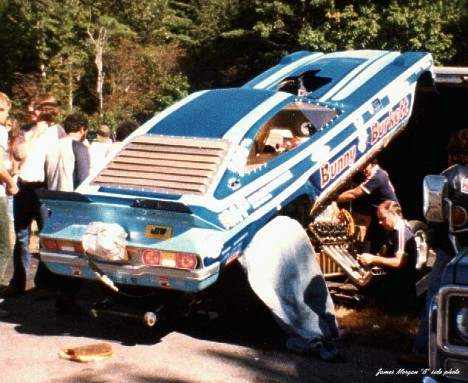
(419, 230)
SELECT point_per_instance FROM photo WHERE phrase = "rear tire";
(419, 230)
(426, 257)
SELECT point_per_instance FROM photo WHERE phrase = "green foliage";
(142, 80)
(413, 27)
(156, 51)
(172, 88)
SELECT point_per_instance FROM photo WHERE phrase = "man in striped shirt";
(367, 196)
(398, 258)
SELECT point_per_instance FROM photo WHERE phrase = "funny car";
(187, 191)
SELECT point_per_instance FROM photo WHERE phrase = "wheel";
(150, 319)
(419, 230)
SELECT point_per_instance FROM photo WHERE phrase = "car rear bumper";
(140, 275)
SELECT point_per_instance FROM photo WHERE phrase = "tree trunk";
(70, 86)
(99, 46)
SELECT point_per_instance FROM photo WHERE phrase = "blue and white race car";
(188, 190)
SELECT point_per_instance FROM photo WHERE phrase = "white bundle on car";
(105, 241)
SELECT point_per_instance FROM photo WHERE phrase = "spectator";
(30, 150)
(7, 186)
(398, 258)
(67, 163)
(125, 128)
(122, 131)
(99, 149)
(12, 126)
(32, 114)
(375, 189)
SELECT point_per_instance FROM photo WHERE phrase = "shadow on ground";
(232, 314)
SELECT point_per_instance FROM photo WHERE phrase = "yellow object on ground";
(88, 353)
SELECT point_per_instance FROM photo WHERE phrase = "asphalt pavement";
(238, 341)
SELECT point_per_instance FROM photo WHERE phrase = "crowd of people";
(42, 154)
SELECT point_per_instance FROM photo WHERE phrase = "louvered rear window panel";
(165, 164)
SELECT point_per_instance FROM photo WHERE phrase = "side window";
(283, 132)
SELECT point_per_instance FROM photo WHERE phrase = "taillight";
(186, 261)
(66, 246)
(169, 259)
(151, 257)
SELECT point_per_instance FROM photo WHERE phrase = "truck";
(445, 200)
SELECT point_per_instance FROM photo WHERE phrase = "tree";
(48, 54)
(98, 42)
(174, 45)
(400, 25)
(142, 79)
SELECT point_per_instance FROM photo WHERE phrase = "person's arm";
(5, 177)
(398, 259)
(351, 194)
(396, 262)
(82, 163)
(23, 146)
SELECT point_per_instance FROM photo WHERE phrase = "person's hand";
(12, 189)
(366, 259)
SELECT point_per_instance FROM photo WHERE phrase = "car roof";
(211, 114)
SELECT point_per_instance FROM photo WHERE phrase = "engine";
(337, 241)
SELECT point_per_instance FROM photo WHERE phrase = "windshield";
(287, 129)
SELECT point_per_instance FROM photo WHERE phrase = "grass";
(376, 327)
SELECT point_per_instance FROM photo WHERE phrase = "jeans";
(5, 250)
(26, 208)
(10, 207)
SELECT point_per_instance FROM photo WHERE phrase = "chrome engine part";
(336, 245)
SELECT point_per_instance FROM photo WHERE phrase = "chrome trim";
(430, 379)
(443, 341)
(432, 342)
(459, 365)
(132, 270)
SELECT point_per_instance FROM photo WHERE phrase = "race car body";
(191, 186)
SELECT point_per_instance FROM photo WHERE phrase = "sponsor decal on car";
(329, 171)
(76, 269)
(392, 119)
(158, 232)
(239, 211)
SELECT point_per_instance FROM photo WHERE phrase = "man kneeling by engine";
(397, 289)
